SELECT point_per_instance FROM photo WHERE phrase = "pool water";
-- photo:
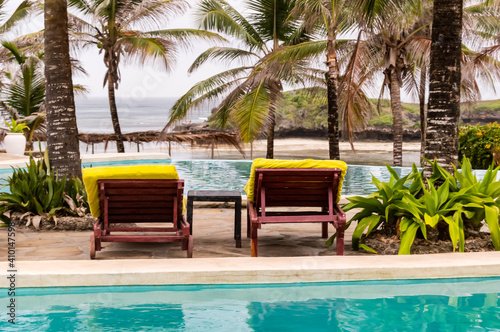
(233, 174)
(471, 304)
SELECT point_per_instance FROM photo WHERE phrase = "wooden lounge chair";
(139, 204)
(296, 187)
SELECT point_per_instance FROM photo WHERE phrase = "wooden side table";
(217, 196)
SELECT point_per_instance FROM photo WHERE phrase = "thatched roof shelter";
(207, 138)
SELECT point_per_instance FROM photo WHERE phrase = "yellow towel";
(91, 175)
(306, 163)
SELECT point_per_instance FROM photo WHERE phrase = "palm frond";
(143, 49)
(147, 13)
(19, 13)
(202, 91)
(186, 37)
(218, 15)
(221, 53)
(250, 112)
(83, 6)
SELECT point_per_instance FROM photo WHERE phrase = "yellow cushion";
(91, 175)
(306, 163)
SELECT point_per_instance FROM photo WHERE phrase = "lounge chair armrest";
(185, 226)
(341, 216)
(252, 211)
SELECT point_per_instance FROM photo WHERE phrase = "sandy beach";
(365, 153)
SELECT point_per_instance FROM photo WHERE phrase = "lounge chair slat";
(142, 238)
(160, 217)
(139, 198)
(135, 210)
(290, 195)
(307, 185)
(141, 191)
(303, 203)
(140, 204)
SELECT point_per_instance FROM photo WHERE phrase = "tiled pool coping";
(243, 270)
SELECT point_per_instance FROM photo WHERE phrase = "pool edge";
(246, 270)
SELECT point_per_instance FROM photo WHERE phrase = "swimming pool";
(233, 174)
(469, 304)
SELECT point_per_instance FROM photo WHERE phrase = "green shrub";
(408, 206)
(477, 143)
(384, 120)
(36, 190)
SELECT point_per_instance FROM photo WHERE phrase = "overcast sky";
(149, 81)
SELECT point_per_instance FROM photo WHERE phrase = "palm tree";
(251, 90)
(391, 36)
(333, 17)
(444, 87)
(114, 26)
(24, 93)
(62, 131)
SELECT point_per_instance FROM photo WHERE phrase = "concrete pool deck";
(288, 254)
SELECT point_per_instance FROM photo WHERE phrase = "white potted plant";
(15, 141)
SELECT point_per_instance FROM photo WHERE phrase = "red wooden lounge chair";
(296, 187)
(141, 202)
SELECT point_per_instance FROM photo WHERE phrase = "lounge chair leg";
(92, 247)
(324, 230)
(184, 245)
(190, 247)
(248, 222)
(340, 239)
(254, 241)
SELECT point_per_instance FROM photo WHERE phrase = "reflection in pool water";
(425, 305)
(233, 174)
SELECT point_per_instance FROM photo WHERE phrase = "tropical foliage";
(446, 205)
(23, 95)
(15, 127)
(130, 30)
(478, 143)
(37, 191)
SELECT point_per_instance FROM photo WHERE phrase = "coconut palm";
(131, 30)
(62, 131)
(250, 91)
(392, 37)
(333, 18)
(444, 87)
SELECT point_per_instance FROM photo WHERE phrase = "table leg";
(237, 223)
(190, 214)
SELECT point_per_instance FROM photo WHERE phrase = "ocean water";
(143, 114)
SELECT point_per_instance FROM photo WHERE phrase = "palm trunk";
(62, 131)
(332, 93)
(397, 115)
(272, 123)
(444, 88)
(114, 116)
(423, 115)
